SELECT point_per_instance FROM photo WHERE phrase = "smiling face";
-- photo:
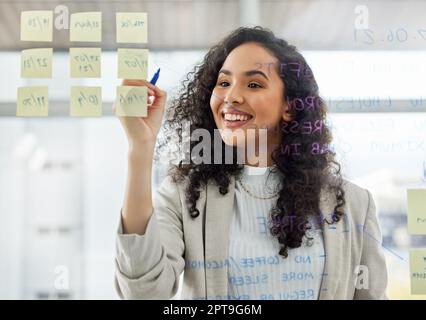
(249, 93)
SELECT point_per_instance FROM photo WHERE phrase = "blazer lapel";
(335, 236)
(219, 209)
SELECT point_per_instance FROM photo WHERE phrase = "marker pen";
(155, 77)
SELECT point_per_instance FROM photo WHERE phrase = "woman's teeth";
(236, 117)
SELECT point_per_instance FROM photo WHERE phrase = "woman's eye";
(223, 84)
(254, 85)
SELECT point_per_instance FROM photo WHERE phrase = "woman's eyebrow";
(254, 72)
(247, 73)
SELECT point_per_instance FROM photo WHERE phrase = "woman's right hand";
(143, 131)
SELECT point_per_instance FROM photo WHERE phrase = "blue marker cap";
(155, 77)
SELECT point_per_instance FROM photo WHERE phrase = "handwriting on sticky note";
(132, 63)
(86, 101)
(36, 25)
(86, 27)
(85, 62)
(32, 102)
(418, 271)
(36, 63)
(131, 101)
(416, 205)
(132, 27)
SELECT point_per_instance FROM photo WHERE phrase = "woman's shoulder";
(172, 186)
(359, 200)
(355, 193)
(169, 183)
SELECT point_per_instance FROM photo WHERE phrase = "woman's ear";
(287, 116)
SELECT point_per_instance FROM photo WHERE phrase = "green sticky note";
(86, 101)
(416, 205)
(131, 101)
(36, 63)
(132, 27)
(32, 102)
(86, 27)
(85, 62)
(37, 25)
(418, 271)
(132, 63)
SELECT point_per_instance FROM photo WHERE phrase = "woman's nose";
(233, 97)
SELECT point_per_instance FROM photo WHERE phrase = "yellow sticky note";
(132, 27)
(86, 27)
(132, 63)
(416, 205)
(85, 62)
(32, 102)
(418, 271)
(36, 63)
(131, 101)
(86, 101)
(36, 25)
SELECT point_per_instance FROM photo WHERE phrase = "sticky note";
(132, 63)
(32, 102)
(416, 205)
(36, 63)
(86, 101)
(418, 271)
(132, 27)
(85, 62)
(36, 25)
(86, 27)
(131, 101)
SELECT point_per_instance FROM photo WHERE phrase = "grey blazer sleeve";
(372, 258)
(148, 266)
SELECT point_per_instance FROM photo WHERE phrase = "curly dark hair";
(305, 174)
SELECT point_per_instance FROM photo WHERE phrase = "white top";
(256, 270)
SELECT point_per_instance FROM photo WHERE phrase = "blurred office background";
(62, 179)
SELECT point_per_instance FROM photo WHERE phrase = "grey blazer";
(149, 266)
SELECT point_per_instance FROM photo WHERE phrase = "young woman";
(291, 228)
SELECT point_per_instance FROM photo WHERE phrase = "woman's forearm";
(137, 208)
